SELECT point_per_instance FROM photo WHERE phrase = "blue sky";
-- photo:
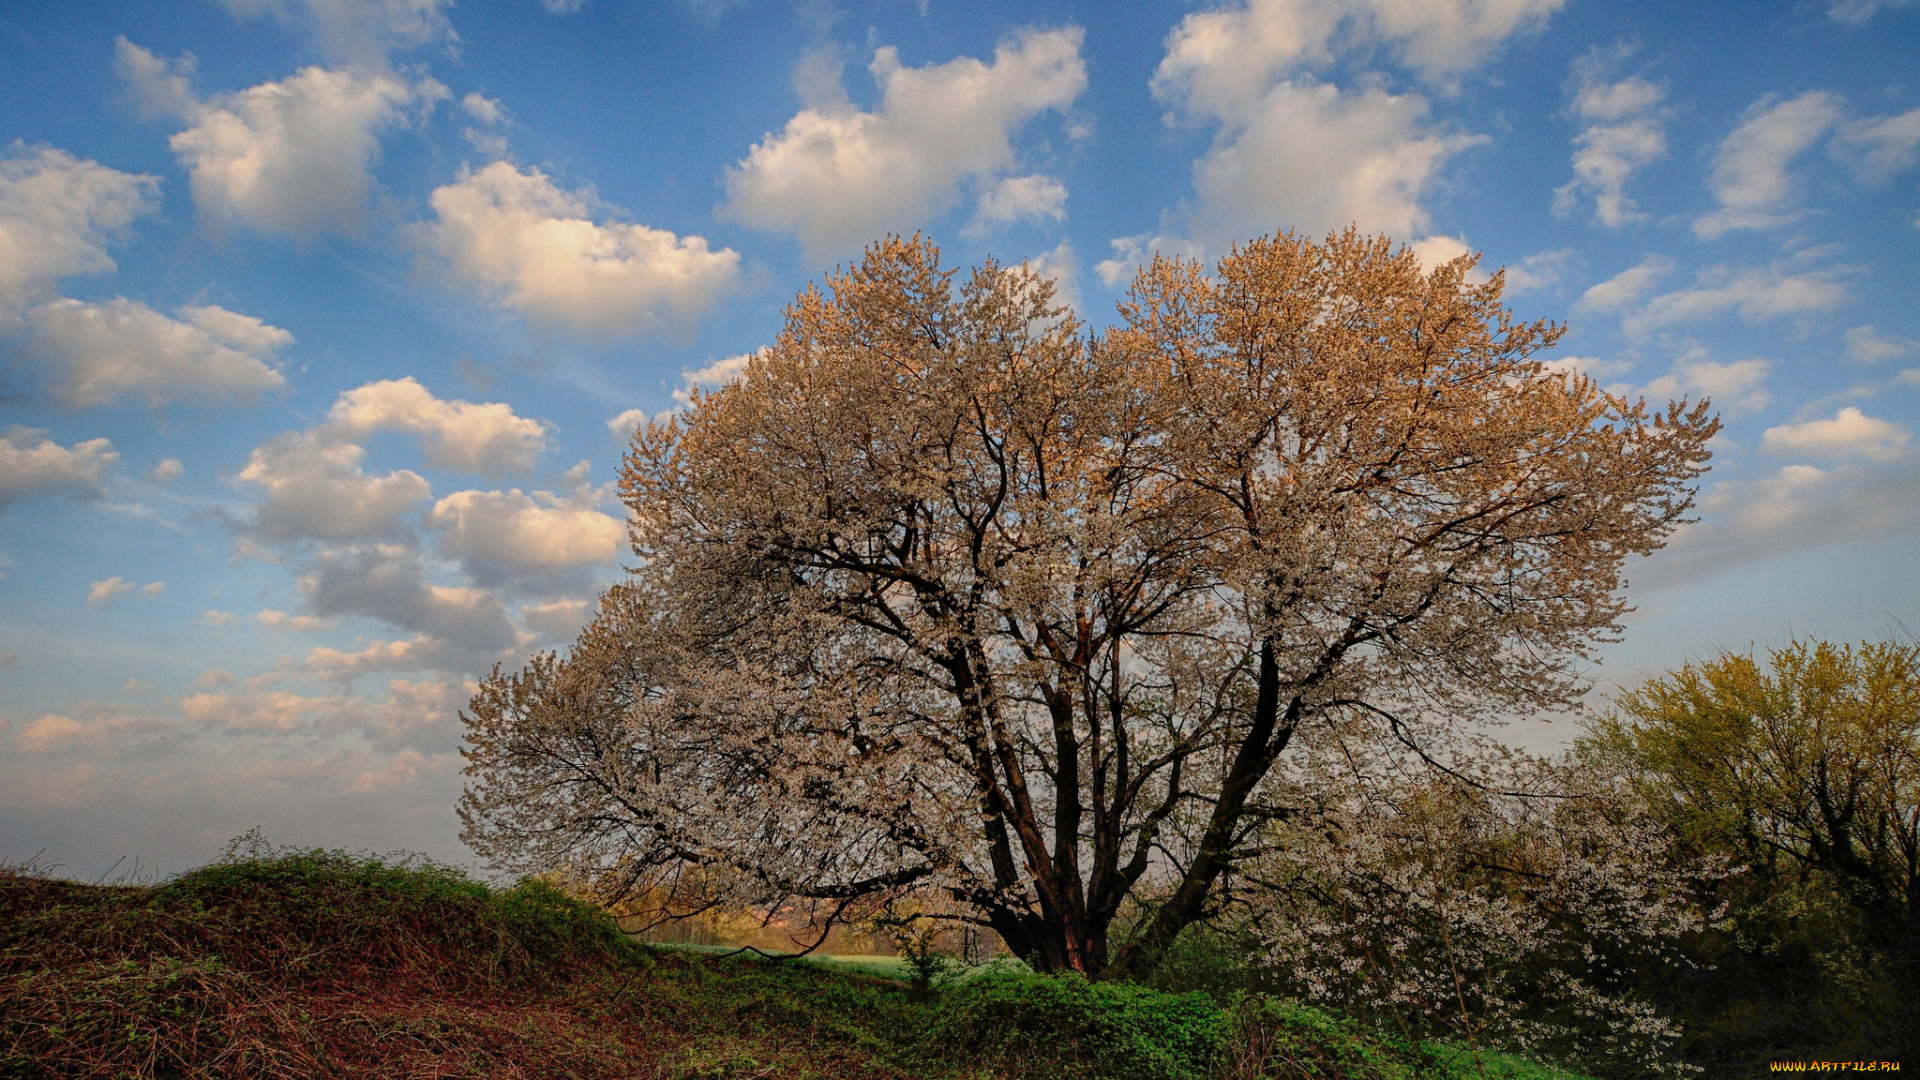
(323, 321)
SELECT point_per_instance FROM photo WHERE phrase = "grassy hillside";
(326, 965)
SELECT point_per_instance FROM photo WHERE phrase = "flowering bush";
(1516, 906)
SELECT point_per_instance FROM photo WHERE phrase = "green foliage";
(310, 964)
(1802, 773)
(1075, 1028)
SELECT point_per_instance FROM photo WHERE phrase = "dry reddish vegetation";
(327, 966)
(315, 964)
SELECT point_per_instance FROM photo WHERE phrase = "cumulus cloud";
(716, 374)
(837, 177)
(1129, 252)
(527, 245)
(292, 157)
(99, 353)
(1062, 267)
(32, 464)
(1756, 294)
(1316, 157)
(57, 214)
(481, 438)
(1850, 433)
(387, 582)
(1232, 53)
(1019, 198)
(623, 426)
(315, 489)
(167, 471)
(1293, 150)
(506, 535)
(1625, 132)
(1734, 386)
(1749, 178)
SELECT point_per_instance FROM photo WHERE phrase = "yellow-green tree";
(1807, 767)
(1803, 769)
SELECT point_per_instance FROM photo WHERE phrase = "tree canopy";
(950, 595)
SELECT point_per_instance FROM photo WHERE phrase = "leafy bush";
(1076, 1028)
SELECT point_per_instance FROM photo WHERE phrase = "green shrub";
(1065, 1026)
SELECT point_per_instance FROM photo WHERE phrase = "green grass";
(320, 964)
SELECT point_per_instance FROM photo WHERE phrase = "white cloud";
(160, 87)
(153, 589)
(57, 214)
(315, 489)
(1295, 151)
(1129, 252)
(167, 471)
(1599, 369)
(1625, 132)
(719, 373)
(1757, 294)
(838, 177)
(293, 156)
(1061, 267)
(48, 733)
(1795, 509)
(422, 652)
(359, 31)
(1313, 156)
(1859, 11)
(1749, 177)
(260, 711)
(1020, 198)
(300, 624)
(102, 593)
(481, 438)
(483, 109)
(1734, 386)
(527, 245)
(503, 535)
(1230, 54)
(556, 620)
(1866, 345)
(218, 620)
(1625, 288)
(1850, 433)
(1882, 147)
(99, 353)
(1436, 251)
(1541, 270)
(32, 464)
(623, 426)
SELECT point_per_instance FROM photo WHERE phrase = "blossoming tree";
(948, 595)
